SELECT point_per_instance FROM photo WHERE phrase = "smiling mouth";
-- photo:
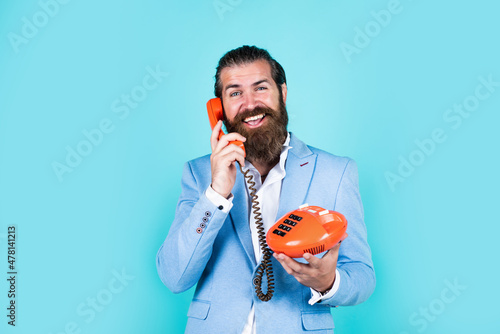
(254, 120)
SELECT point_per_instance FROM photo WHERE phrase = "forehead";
(246, 73)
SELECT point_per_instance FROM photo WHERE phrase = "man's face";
(254, 107)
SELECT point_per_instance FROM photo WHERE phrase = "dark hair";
(245, 55)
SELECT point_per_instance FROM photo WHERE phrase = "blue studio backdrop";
(101, 103)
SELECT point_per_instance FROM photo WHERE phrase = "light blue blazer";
(214, 249)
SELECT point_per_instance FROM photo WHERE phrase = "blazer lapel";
(239, 215)
(299, 169)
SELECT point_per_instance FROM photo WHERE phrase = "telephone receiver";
(214, 108)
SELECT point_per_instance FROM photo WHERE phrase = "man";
(213, 240)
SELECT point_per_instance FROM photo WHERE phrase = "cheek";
(274, 103)
(228, 111)
(231, 114)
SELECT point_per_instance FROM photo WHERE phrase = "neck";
(264, 167)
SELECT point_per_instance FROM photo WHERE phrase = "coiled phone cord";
(266, 264)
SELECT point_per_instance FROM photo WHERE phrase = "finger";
(226, 139)
(335, 249)
(295, 266)
(332, 252)
(314, 261)
(230, 154)
(214, 138)
(235, 136)
(283, 264)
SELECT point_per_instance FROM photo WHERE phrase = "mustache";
(253, 112)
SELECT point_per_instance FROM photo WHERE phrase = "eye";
(235, 94)
(261, 88)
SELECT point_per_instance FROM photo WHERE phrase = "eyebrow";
(260, 81)
(254, 84)
(231, 86)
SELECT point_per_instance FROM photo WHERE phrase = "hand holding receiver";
(223, 156)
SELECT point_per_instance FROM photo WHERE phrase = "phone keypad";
(287, 225)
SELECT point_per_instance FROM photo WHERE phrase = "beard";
(264, 143)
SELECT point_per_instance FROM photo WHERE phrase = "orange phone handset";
(310, 229)
(214, 108)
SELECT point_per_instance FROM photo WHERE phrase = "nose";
(249, 101)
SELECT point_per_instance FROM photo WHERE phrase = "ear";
(284, 91)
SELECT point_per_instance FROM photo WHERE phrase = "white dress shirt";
(268, 196)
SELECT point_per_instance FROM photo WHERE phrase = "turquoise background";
(113, 210)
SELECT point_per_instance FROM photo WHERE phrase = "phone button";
(284, 227)
(280, 233)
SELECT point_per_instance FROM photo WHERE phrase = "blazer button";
(208, 213)
(203, 225)
(205, 219)
(199, 230)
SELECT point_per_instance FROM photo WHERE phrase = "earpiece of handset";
(214, 108)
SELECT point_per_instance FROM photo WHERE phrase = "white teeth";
(253, 118)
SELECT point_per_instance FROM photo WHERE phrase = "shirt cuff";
(318, 296)
(218, 200)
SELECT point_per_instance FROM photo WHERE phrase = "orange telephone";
(310, 229)
(214, 108)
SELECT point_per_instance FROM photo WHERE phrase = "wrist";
(225, 195)
(325, 291)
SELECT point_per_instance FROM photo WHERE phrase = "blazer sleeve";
(355, 266)
(184, 254)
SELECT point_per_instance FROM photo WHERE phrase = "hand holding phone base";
(309, 229)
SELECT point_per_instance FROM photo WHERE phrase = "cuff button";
(199, 230)
(208, 213)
